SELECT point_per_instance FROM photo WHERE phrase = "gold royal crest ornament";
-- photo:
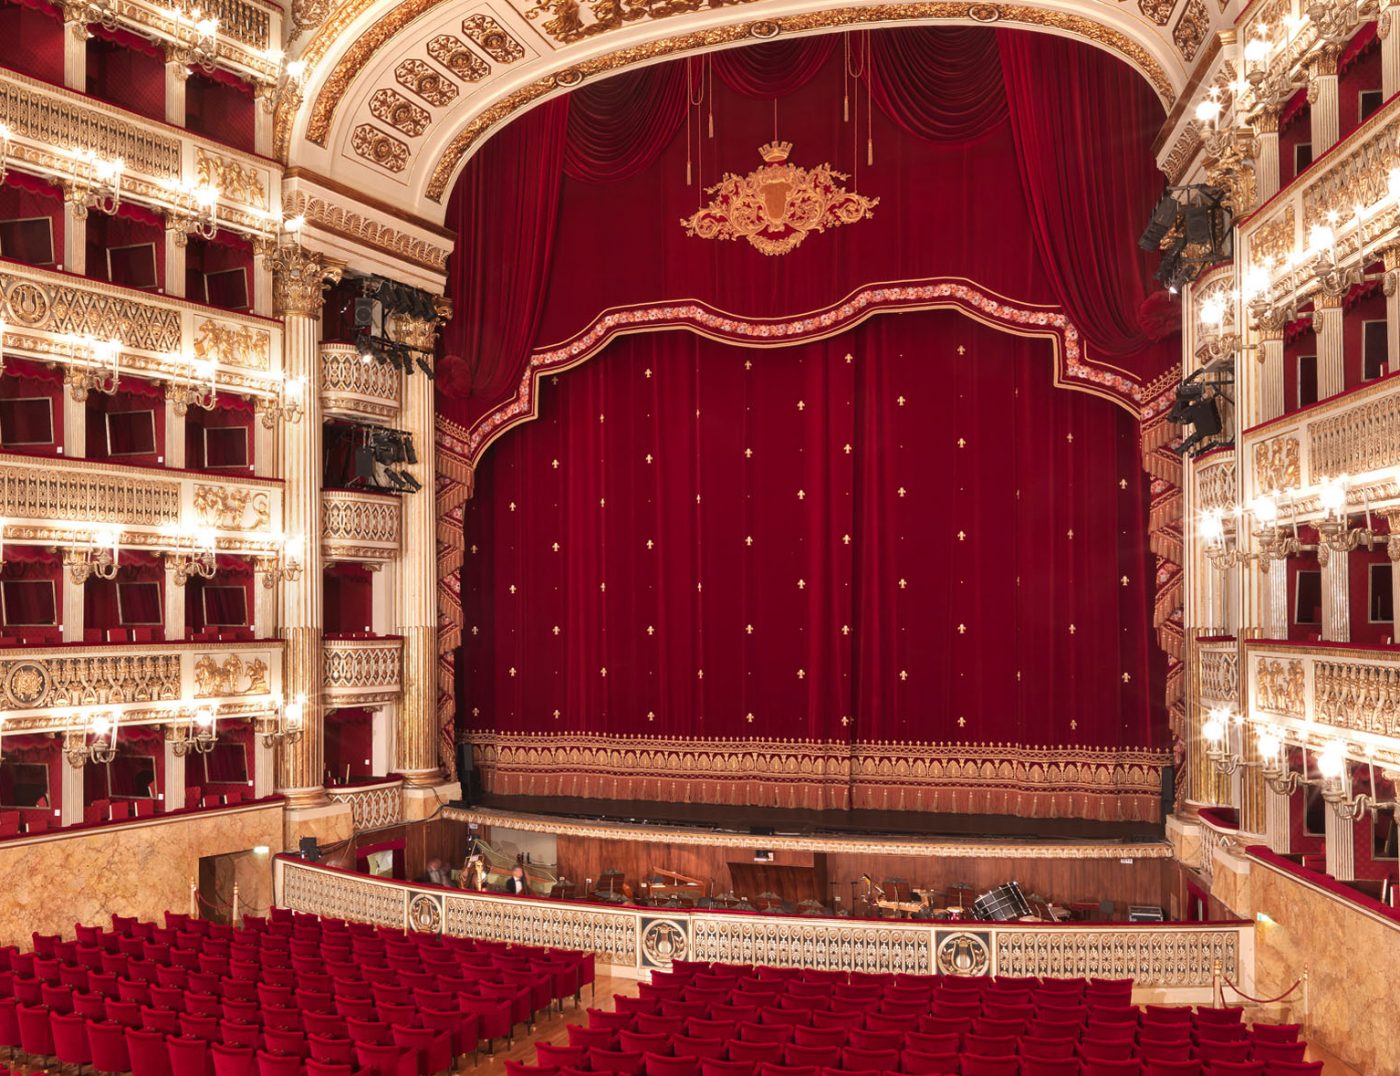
(777, 206)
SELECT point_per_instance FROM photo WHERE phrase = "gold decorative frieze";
(432, 86)
(379, 148)
(242, 21)
(1220, 675)
(233, 508)
(1365, 437)
(236, 180)
(1358, 697)
(233, 345)
(1276, 464)
(1160, 956)
(360, 526)
(48, 123)
(1361, 176)
(81, 492)
(399, 112)
(56, 119)
(372, 806)
(358, 389)
(1279, 686)
(492, 38)
(787, 941)
(78, 309)
(1191, 29)
(236, 674)
(1274, 241)
(362, 672)
(38, 682)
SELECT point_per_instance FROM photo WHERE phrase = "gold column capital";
(299, 281)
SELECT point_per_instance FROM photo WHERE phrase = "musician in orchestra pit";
(515, 884)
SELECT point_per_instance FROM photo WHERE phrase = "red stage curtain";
(942, 84)
(505, 238)
(953, 200)
(620, 125)
(1089, 182)
(925, 543)
(774, 68)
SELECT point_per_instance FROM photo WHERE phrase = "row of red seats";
(163, 990)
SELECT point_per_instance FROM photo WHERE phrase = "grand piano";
(667, 887)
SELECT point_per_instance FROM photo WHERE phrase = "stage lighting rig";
(1197, 405)
(381, 301)
(1191, 226)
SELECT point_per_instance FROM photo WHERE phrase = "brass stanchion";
(194, 899)
(1216, 999)
(1307, 1009)
(233, 915)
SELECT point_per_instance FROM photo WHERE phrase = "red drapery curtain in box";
(899, 547)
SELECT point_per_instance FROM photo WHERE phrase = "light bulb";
(1213, 728)
(1332, 760)
(204, 718)
(1321, 237)
(1257, 51)
(296, 69)
(1213, 313)
(1212, 527)
(1208, 110)
(1269, 745)
(1265, 510)
(101, 725)
(1256, 281)
(1333, 495)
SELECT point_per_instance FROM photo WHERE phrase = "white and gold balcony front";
(95, 150)
(357, 525)
(364, 672)
(59, 689)
(89, 327)
(81, 505)
(359, 390)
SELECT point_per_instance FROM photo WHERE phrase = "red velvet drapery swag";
(988, 166)
(574, 210)
(900, 559)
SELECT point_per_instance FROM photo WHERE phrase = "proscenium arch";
(352, 54)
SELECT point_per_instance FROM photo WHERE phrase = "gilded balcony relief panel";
(1279, 686)
(372, 806)
(1220, 678)
(1217, 488)
(1276, 464)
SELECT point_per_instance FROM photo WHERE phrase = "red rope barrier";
(1259, 1001)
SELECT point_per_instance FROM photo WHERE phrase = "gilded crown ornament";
(777, 206)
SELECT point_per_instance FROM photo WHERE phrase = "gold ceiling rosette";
(777, 206)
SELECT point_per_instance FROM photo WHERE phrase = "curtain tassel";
(870, 151)
(846, 108)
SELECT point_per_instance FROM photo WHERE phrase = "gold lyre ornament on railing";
(777, 206)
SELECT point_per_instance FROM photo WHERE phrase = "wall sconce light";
(97, 180)
(99, 369)
(290, 404)
(287, 84)
(198, 736)
(287, 724)
(194, 555)
(286, 564)
(1334, 534)
(98, 744)
(1221, 730)
(100, 558)
(1334, 767)
(202, 392)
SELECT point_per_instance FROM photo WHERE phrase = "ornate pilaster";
(420, 758)
(75, 39)
(1392, 550)
(1388, 30)
(1266, 175)
(1341, 846)
(1271, 395)
(177, 74)
(1390, 284)
(1324, 102)
(1327, 323)
(299, 289)
(1278, 823)
(1336, 597)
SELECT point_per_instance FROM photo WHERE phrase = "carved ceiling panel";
(402, 92)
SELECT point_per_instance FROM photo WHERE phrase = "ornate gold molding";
(299, 280)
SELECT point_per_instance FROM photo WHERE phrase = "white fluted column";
(1327, 322)
(72, 806)
(1341, 846)
(1388, 30)
(1273, 603)
(300, 288)
(1271, 396)
(177, 74)
(74, 252)
(1336, 596)
(75, 41)
(1278, 823)
(416, 739)
(1324, 102)
(174, 787)
(174, 608)
(1266, 174)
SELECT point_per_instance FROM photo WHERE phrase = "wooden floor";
(554, 1029)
